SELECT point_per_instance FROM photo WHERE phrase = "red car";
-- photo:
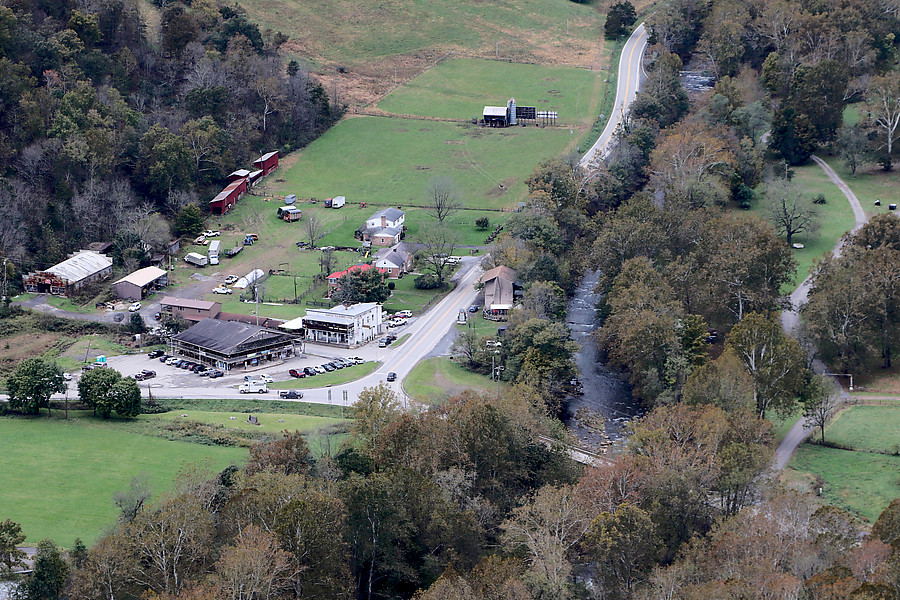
(296, 373)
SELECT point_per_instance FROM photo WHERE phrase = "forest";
(108, 130)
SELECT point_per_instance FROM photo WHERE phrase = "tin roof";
(187, 303)
(390, 213)
(265, 157)
(81, 265)
(143, 277)
(227, 337)
(494, 111)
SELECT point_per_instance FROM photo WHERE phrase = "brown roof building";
(190, 310)
(499, 292)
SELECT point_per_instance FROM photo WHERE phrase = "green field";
(269, 423)
(434, 380)
(407, 297)
(354, 33)
(459, 89)
(869, 428)
(861, 480)
(67, 472)
(390, 162)
(871, 183)
(836, 219)
(337, 377)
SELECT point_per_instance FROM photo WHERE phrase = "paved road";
(628, 82)
(790, 318)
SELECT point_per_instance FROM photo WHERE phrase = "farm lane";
(790, 318)
(628, 82)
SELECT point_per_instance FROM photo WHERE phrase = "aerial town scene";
(470, 300)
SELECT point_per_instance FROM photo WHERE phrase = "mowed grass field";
(356, 33)
(459, 89)
(835, 217)
(860, 480)
(391, 162)
(66, 473)
(435, 380)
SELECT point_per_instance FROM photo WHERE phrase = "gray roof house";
(383, 228)
(396, 260)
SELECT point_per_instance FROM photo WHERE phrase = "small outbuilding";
(267, 162)
(231, 345)
(65, 278)
(188, 309)
(144, 281)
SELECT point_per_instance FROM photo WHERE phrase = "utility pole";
(256, 297)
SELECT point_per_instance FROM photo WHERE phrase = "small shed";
(138, 284)
(267, 162)
(239, 174)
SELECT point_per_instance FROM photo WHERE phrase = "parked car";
(357, 360)
(384, 343)
(164, 358)
(209, 233)
(135, 306)
(221, 290)
(474, 308)
(320, 369)
(231, 279)
(173, 360)
(328, 367)
(200, 240)
(145, 374)
(493, 344)
(216, 373)
(392, 376)
(205, 373)
(337, 364)
(296, 373)
(403, 314)
(291, 394)
(390, 337)
(310, 371)
(155, 354)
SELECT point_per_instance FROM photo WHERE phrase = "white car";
(173, 360)
(221, 290)
(209, 233)
(135, 306)
(67, 376)
(231, 279)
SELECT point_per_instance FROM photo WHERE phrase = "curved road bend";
(790, 318)
(628, 82)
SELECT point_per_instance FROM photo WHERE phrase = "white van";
(253, 387)
(214, 252)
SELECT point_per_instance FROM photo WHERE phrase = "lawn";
(407, 297)
(484, 327)
(269, 423)
(859, 481)
(870, 183)
(869, 428)
(836, 218)
(390, 162)
(337, 377)
(67, 472)
(434, 380)
(459, 89)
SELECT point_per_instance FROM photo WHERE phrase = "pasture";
(67, 473)
(390, 162)
(434, 380)
(863, 479)
(459, 89)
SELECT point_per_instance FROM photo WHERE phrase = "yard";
(861, 479)
(434, 380)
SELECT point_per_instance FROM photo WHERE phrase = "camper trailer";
(338, 201)
(214, 252)
(196, 259)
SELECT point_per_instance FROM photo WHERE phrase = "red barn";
(228, 197)
(267, 162)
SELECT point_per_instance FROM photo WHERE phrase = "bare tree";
(442, 199)
(131, 501)
(327, 260)
(437, 245)
(313, 231)
(822, 399)
(790, 210)
(883, 102)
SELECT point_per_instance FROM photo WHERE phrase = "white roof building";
(346, 326)
(81, 266)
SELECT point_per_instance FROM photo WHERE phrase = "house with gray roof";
(229, 345)
(383, 228)
(396, 260)
(65, 278)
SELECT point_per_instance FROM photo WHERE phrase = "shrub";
(482, 222)
(429, 281)
(391, 285)
(820, 199)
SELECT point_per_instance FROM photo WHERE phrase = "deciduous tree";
(287, 455)
(883, 104)
(11, 537)
(442, 199)
(790, 210)
(32, 383)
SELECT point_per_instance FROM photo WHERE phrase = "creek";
(600, 413)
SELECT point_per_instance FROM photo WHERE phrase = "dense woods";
(109, 127)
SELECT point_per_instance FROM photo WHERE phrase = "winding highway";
(628, 82)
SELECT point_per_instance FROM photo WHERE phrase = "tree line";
(108, 130)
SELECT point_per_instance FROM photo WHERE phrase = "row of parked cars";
(338, 363)
(195, 367)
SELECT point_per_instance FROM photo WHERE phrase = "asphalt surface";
(628, 82)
